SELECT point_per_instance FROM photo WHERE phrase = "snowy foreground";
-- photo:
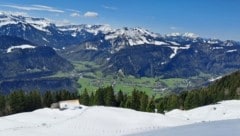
(213, 120)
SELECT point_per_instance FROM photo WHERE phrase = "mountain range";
(133, 51)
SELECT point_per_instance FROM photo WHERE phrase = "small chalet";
(68, 104)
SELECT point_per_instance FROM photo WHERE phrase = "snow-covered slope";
(217, 128)
(94, 121)
(221, 111)
(108, 121)
(10, 19)
(134, 36)
(95, 29)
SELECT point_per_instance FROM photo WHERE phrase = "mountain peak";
(187, 34)
(13, 18)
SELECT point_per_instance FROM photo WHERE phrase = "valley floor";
(219, 119)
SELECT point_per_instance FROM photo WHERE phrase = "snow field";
(109, 121)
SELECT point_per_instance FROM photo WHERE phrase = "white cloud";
(15, 13)
(91, 14)
(109, 7)
(35, 7)
(73, 10)
(75, 14)
(173, 28)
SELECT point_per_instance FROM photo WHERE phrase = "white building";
(68, 104)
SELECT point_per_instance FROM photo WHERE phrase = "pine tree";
(91, 99)
(192, 100)
(173, 102)
(99, 97)
(135, 103)
(84, 98)
(161, 105)
(2, 105)
(17, 101)
(110, 99)
(143, 102)
(48, 99)
(151, 105)
(35, 98)
(32, 101)
(119, 98)
(128, 103)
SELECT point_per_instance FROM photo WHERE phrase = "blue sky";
(207, 18)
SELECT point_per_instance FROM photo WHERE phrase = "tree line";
(136, 100)
(20, 101)
(225, 89)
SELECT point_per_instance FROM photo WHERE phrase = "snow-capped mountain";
(43, 32)
(37, 30)
(136, 51)
(111, 39)
(38, 23)
(187, 35)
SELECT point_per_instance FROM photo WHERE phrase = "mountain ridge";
(185, 55)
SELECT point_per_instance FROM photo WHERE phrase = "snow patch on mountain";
(94, 29)
(188, 35)
(174, 43)
(232, 50)
(214, 79)
(217, 48)
(134, 36)
(24, 46)
(45, 39)
(176, 48)
(90, 47)
(160, 43)
(212, 41)
(228, 44)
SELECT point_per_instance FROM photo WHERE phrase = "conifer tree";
(110, 99)
(135, 103)
(17, 101)
(32, 101)
(151, 105)
(48, 99)
(99, 97)
(119, 98)
(128, 103)
(173, 102)
(143, 102)
(2, 104)
(84, 98)
(91, 99)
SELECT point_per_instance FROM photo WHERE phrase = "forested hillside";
(223, 89)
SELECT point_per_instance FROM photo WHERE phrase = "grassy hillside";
(91, 77)
(226, 88)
